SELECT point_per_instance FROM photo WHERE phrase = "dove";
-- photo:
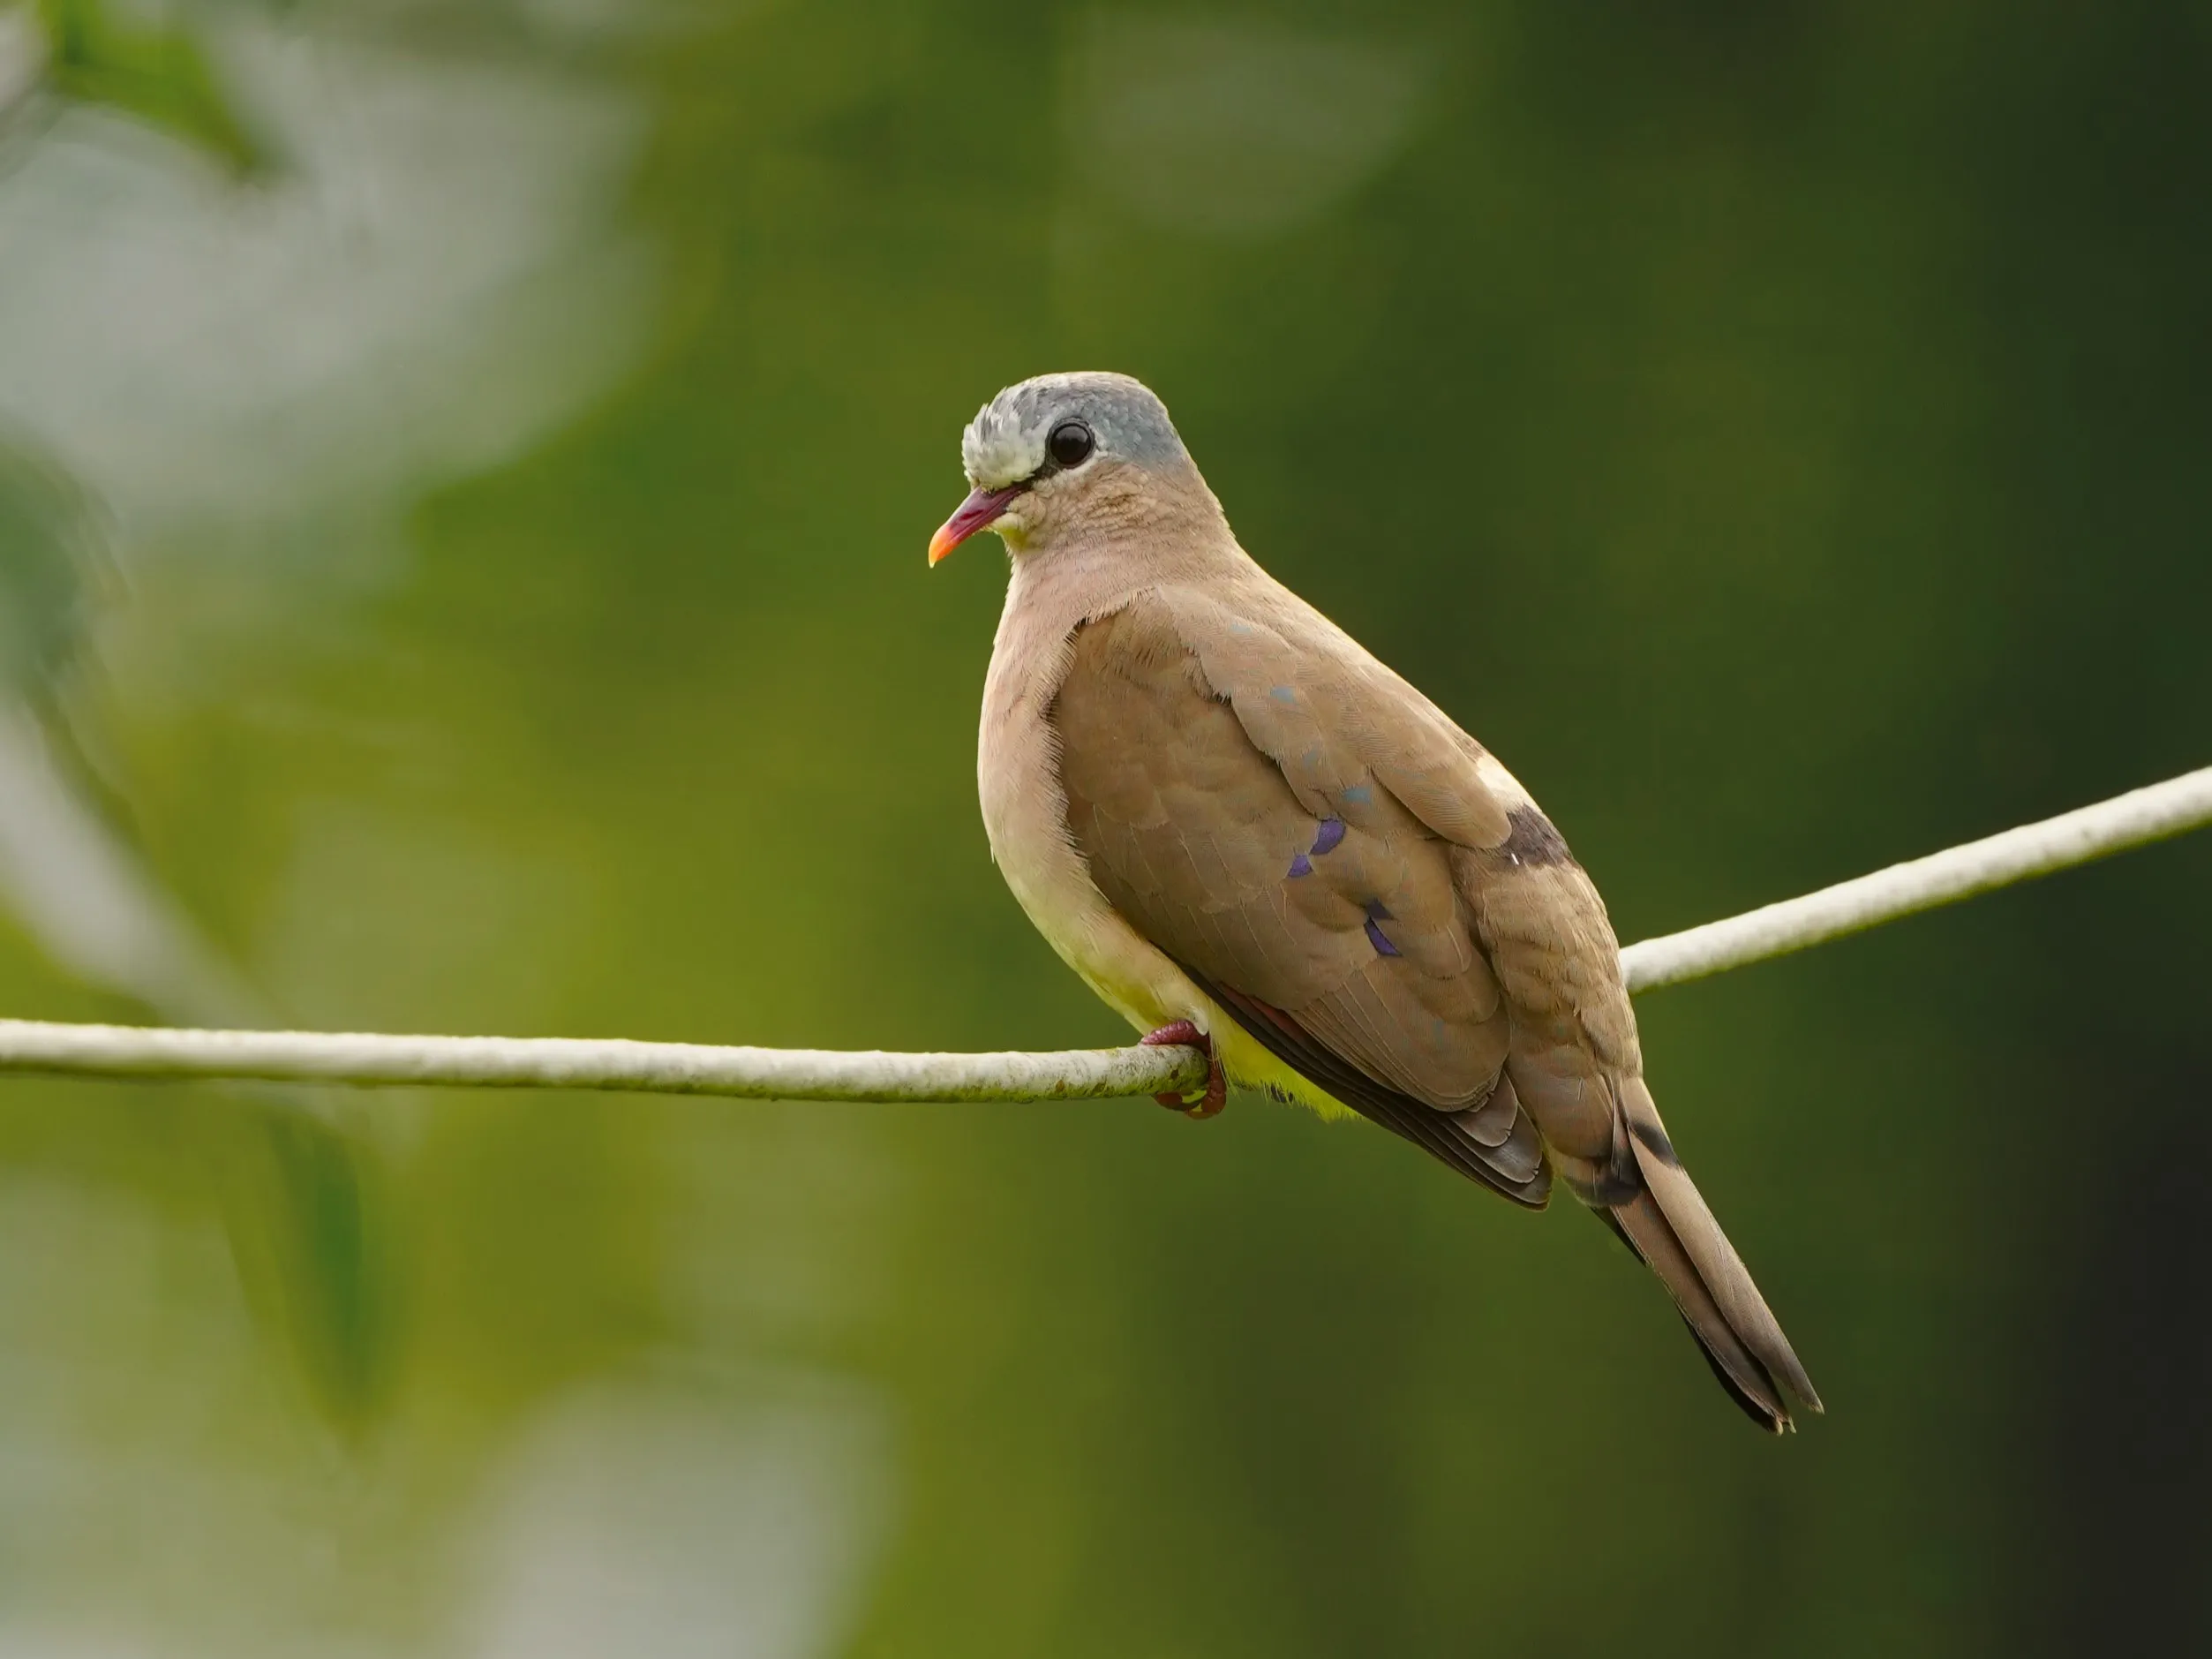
(1248, 835)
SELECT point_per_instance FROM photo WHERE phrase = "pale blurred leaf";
(156, 73)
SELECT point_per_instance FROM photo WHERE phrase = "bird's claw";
(1207, 1102)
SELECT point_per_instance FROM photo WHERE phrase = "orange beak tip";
(980, 511)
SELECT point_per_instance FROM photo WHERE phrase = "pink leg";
(1183, 1033)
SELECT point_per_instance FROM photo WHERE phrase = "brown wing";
(1327, 919)
(1352, 738)
(1348, 874)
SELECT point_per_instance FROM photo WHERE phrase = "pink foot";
(1208, 1103)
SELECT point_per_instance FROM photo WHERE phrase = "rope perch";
(2133, 819)
(111, 1051)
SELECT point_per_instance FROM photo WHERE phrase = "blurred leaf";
(49, 549)
(156, 73)
(297, 1210)
(291, 1181)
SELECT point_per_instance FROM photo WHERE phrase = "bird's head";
(1063, 453)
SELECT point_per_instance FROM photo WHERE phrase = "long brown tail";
(1668, 1225)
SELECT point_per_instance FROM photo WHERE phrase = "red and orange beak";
(980, 511)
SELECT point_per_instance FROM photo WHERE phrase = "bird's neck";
(1053, 589)
(1124, 542)
(1066, 573)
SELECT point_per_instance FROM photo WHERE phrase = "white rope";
(563, 1062)
(1923, 884)
(111, 1051)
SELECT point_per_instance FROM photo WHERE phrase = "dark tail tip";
(1774, 1419)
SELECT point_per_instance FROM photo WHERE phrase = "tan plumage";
(1218, 808)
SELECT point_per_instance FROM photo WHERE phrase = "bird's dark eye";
(1070, 444)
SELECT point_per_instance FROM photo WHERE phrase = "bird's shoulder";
(1336, 720)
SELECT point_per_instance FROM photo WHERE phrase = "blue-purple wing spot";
(1301, 865)
(1358, 794)
(1324, 839)
(1282, 694)
(1378, 911)
(1383, 947)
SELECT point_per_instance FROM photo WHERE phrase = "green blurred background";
(463, 476)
